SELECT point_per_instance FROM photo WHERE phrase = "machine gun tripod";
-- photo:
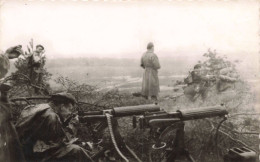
(108, 118)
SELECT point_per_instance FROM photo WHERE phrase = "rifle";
(108, 118)
(163, 122)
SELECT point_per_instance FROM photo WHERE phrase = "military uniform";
(198, 85)
(226, 79)
(10, 147)
(150, 83)
(41, 132)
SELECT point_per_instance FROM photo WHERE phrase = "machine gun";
(108, 118)
(163, 118)
(167, 121)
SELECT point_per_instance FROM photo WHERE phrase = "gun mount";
(108, 118)
(164, 122)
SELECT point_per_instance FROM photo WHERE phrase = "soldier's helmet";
(150, 45)
(197, 66)
(64, 98)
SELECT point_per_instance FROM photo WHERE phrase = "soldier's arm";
(205, 78)
(142, 62)
(156, 63)
(199, 76)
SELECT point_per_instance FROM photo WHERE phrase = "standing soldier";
(10, 148)
(36, 63)
(150, 62)
(37, 60)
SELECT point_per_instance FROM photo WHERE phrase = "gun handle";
(163, 122)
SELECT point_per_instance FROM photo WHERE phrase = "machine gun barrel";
(188, 114)
(118, 112)
(200, 113)
(135, 110)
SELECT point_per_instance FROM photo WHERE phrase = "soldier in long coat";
(150, 63)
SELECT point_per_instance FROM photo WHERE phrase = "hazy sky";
(122, 29)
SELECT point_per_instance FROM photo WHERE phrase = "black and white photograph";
(129, 80)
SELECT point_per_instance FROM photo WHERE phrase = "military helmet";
(64, 97)
(150, 45)
(197, 66)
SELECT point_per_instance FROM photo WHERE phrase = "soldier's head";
(198, 66)
(150, 46)
(62, 101)
(39, 48)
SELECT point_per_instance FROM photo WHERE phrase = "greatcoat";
(150, 84)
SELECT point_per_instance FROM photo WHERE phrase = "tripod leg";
(180, 146)
(188, 156)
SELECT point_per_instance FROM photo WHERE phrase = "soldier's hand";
(210, 77)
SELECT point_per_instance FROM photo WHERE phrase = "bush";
(25, 80)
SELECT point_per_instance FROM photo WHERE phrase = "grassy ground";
(239, 99)
(242, 98)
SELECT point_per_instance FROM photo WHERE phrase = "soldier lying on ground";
(41, 131)
(10, 148)
(227, 77)
(197, 85)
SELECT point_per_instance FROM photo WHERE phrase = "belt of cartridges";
(113, 137)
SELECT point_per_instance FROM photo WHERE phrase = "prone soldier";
(198, 84)
(226, 78)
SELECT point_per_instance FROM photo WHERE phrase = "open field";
(126, 74)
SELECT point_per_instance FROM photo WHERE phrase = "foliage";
(24, 78)
(214, 63)
(239, 130)
(92, 98)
